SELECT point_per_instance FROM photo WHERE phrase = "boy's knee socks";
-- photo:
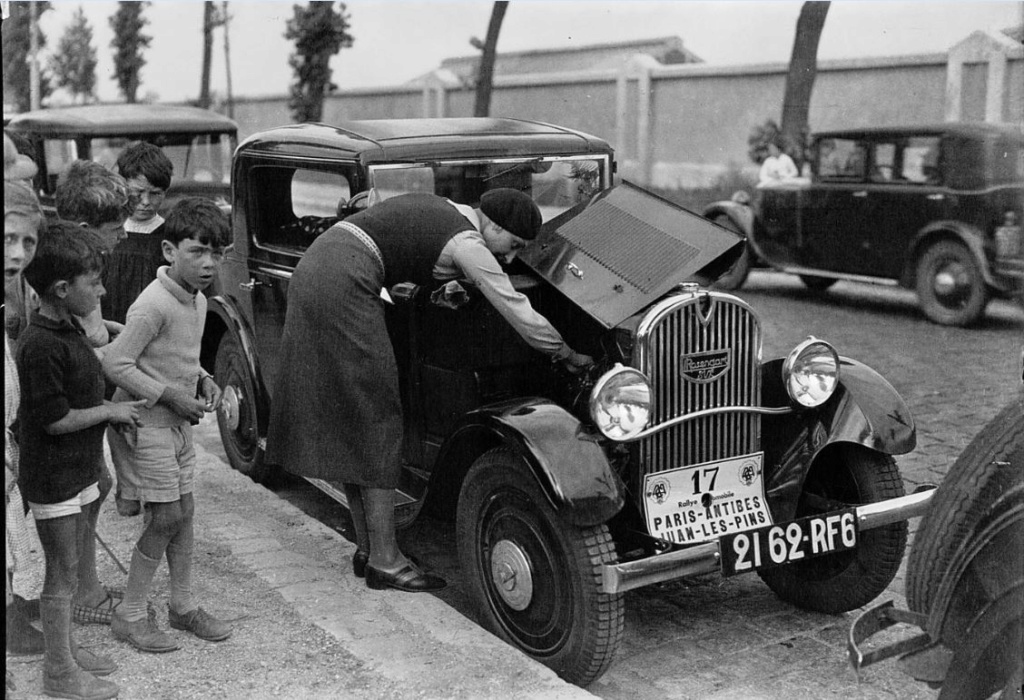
(179, 562)
(140, 577)
(55, 614)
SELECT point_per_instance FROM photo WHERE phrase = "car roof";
(121, 119)
(969, 129)
(410, 140)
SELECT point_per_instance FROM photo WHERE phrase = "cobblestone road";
(731, 638)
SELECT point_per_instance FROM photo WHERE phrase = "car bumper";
(706, 558)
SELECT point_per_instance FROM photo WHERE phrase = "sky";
(397, 40)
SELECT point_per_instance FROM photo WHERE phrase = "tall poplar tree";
(128, 43)
(16, 43)
(74, 63)
(319, 32)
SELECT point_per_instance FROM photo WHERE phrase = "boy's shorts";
(72, 506)
(153, 465)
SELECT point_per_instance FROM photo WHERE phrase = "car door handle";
(937, 197)
(251, 285)
(862, 193)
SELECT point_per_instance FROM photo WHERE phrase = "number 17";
(701, 475)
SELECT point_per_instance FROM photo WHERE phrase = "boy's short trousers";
(72, 506)
(153, 465)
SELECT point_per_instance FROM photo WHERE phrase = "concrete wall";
(686, 125)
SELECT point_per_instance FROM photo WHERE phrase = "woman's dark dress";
(130, 267)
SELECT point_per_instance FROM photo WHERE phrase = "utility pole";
(204, 82)
(227, 60)
(35, 101)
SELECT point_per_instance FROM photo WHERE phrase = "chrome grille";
(685, 325)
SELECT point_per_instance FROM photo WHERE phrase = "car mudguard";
(567, 460)
(223, 318)
(864, 410)
(970, 236)
(741, 214)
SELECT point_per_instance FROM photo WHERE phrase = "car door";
(833, 217)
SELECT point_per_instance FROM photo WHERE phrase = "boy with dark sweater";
(62, 417)
(156, 358)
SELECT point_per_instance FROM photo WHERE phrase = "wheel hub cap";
(511, 574)
(229, 402)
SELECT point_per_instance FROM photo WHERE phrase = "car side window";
(58, 154)
(295, 205)
(840, 159)
(920, 162)
(883, 162)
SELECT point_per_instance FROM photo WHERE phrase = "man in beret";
(337, 412)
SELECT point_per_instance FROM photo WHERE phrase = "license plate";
(790, 542)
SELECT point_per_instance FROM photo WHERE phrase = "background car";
(681, 452)
(198, 142)
(937, 209)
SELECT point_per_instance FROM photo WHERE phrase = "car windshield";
(555, 183)
(196, 157)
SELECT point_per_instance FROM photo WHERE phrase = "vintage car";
(198, 142)
(936, 209)
(681, 452)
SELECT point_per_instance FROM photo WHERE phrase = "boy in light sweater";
(156, 358)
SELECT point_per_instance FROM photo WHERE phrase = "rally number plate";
(790, 542)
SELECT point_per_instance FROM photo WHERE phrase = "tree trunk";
(204, 83)
(803, 68)
(485, 79)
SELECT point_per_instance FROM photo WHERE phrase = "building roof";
(666, 50)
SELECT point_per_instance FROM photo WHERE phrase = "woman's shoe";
(359, 561)
(408, 579)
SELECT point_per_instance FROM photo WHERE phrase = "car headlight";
(620, 403)
(811, 372)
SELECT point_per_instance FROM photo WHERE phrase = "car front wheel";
(236, 416)
(849, 476)
(535, 578)
(950, 287)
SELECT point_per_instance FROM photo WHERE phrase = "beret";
(513, 210)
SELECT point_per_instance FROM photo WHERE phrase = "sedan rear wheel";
(950, 287)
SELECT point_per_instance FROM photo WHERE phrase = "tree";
(209, 23)
(74, 63)
(803, 69)
(128, 44)
(17, 44)
(319, 32)
(485, 78)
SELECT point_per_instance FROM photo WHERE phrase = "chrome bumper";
(705, 558)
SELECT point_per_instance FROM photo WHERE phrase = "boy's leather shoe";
(408, 579)
(80, 685)
(200, 623)
(144, 635)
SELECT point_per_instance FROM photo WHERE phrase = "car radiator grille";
(706, 323)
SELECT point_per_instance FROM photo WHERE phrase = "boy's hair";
(20, 200)
(147, 160)
(66, 251)
(89, 193)
(198, 218)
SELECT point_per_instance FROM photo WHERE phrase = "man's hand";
(577, 362)
(210, 393)
(188, 407)
(126, 413)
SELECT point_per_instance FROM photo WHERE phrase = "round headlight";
(811, 372)
(620, 403)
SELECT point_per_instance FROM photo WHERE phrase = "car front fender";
(223, 318)
(864, 410)
(740, 214)
(567, 461)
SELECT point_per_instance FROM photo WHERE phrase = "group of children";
(68, 344)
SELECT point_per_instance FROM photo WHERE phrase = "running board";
(867, 279)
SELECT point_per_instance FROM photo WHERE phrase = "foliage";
(16, 46)
(319, 32)
(128, 44)
(762, 134)
(74, 63)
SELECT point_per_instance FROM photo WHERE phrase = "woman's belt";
(367, 241)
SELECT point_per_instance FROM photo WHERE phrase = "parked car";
(936, 209)
(681, 452)
(198, 142)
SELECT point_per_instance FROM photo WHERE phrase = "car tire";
(950, 288)
(816, 283)
(236, 416)
(736, 275)
(549, 602)
(962, 500)
(853, 475)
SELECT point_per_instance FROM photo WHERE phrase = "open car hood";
(625, 249)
